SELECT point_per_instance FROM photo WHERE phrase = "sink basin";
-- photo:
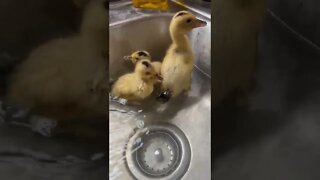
(184, 123)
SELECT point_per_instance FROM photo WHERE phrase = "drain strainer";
(165, 153)
(158, 155)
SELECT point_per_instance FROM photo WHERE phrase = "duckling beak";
(127, 58)
(200, 23)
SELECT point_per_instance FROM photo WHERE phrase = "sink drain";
(159, 154)
(165, 153)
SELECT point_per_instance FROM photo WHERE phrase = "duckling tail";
(165, 96)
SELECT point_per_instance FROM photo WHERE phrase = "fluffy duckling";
(177, 64)
(67, 77)
(139, 55)
(138, 85)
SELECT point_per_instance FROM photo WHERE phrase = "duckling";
(138, 85)
(139, 55)
(67, 77)
(177, 64)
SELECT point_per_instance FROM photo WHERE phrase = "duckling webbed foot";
(165, 96)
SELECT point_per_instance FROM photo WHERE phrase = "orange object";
(151, 4)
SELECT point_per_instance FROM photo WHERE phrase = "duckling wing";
(176, 74)
(125, 87)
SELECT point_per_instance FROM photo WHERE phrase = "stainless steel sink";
(186, 119)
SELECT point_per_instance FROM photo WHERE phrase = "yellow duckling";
(139, 55)
(137, 85)
(177, 64)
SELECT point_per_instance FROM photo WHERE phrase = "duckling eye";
(148, 73)
(188, 20)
